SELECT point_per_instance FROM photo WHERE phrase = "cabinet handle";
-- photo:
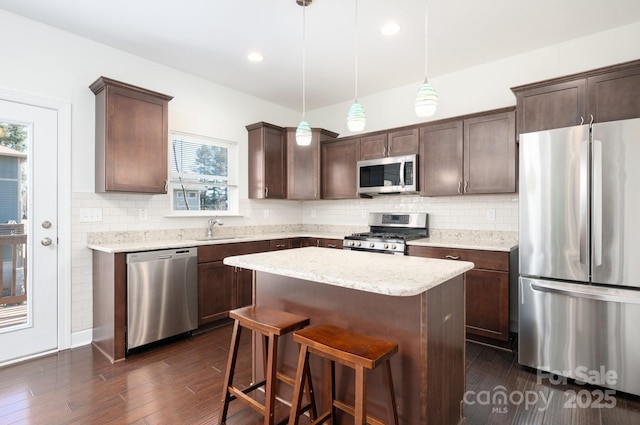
(384, 151)
(452, 257)
(280, 246)
(466, 186)
(266, 192)
(460, 187)
(331, 245)
(591, 122)
(581, 120)
(318, 242)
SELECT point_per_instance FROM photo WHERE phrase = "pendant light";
(303, 132)
(427, 98)
(356, 119)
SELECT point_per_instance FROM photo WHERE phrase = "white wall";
(47, 62)
(487, 86)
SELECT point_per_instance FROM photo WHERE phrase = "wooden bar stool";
(350, 349)
(271, 324)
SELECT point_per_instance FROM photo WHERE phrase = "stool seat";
(344, 346)
(271, 324)
(267, 320)
(358, 351)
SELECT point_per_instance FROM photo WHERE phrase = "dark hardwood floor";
(180, 383)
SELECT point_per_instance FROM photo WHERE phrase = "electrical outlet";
(491, 214)
(313, 213)
(142, 214)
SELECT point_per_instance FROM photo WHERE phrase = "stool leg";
(270, 376)
(392, 409)
(298, 389)
(361, 396)
(331, 389)
(311, 397)
(231, 365)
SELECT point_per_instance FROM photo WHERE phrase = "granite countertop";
(505, 245)
(134, 246)
(364, 271)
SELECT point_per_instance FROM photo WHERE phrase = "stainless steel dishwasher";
(162, 294)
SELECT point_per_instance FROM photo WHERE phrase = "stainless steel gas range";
(388, 233)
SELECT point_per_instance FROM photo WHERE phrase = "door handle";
(46, 241)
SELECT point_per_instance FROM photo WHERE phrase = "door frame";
(63, 109)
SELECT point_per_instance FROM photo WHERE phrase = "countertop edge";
(432, 272)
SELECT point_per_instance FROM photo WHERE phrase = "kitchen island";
(416, 302)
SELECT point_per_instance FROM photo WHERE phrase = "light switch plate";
(90, 215)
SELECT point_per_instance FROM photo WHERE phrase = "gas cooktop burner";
(388, 233)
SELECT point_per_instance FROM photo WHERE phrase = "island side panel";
(445, 344)
(401, 319)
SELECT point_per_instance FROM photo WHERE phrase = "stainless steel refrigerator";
(579, 311)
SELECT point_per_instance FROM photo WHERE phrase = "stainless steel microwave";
(396, 174)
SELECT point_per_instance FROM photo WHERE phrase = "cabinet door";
(374, 146)
(614, 95)
(131, 138)
(550, 106)
(440, 159)
(267, 162)
(243, 287)
(490, 154)
(339, 169)
(487, 304)
(403, 142)
(215, 291)
(303, 168)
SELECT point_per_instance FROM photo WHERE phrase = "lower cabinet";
(222, 288)
(487, 288)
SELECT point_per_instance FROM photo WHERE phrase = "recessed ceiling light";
(390, 28)
(255, 57)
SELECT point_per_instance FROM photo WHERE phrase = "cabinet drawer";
(276, 244)
(209, 253)
(487, 260)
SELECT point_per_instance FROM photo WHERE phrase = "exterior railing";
(13, 268)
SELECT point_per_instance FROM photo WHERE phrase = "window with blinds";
(202, 174)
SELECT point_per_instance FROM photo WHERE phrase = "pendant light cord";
(304, 54)
(426, 34)
(356, 76)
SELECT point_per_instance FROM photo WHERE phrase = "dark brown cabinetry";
(475, 154)
(303, 167)
(267, 161)
(222, 288)
(392, 143)
(339, 168)
(324, 242)
(487, 288)
(131, 138)
(608, 94)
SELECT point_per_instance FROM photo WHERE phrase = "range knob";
(386, 246)
(371, 244)
(358, 243)
(350, 243)
(393, 246)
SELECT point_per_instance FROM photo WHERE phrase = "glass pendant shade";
(356, 118)
(426, 100)
(303, 134)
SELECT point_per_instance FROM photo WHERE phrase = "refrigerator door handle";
(598, 294)
(584, 201)
(596, 231)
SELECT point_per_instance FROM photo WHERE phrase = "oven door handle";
(402, 164)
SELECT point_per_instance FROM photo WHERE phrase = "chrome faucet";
(212, 222)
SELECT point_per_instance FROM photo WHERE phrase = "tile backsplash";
(121, 218)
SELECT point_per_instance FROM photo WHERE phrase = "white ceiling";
(211, 38)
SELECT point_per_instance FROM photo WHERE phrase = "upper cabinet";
(131, 138)
(339, 168)
(393, 143)
(607, 94)
(303, 167)
(267, 161)
(475, 154)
